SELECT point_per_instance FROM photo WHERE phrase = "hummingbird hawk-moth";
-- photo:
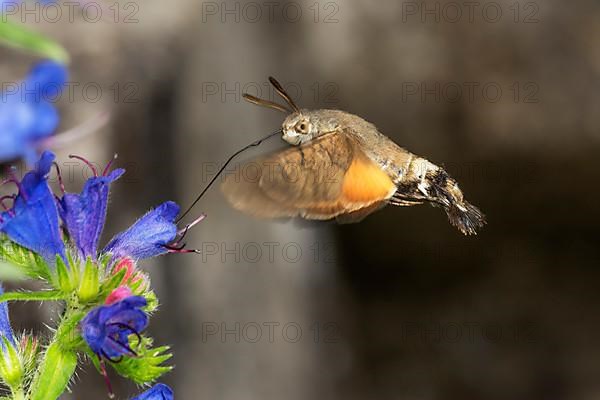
(341, 167)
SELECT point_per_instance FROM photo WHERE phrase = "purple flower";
(33, 219)
(33, 222)
(106, 329)
(160, 391)
(27, 116)
(84, 214)
(149, 236)
(5, 329)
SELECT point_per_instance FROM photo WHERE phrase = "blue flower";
(5, 329)
(106, 329)
(27, 116)
(149, 236)
(33, 221)
(160, 391)
(84, 214)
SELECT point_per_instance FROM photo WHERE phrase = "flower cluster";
(107, 299)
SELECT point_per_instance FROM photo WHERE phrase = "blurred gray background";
(504, 94)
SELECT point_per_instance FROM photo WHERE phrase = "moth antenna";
(266, 103)
(234, 155)
(283, 94)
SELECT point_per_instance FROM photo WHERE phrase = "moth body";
(340, 166)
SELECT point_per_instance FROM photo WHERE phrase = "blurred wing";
(325, 178)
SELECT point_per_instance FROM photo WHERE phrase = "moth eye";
(302, 127)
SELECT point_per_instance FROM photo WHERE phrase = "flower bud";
(11, 367)
(118, 294)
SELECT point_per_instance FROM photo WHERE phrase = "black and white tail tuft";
(466, 217)
(462, 214)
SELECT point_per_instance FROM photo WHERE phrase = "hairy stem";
(59, 361)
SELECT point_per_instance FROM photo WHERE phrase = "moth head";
(298, 126)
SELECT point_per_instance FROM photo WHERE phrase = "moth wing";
(327, 177)
(360, 214)
(245, 195)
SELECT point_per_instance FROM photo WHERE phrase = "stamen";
(12, 178)
(116, 360)
(10, 196)
(184, 231)
(86, 162)
(125, 326)
(107, 168)
(9, 171)
(175, 246)
(181, 249)
(60, 180)
(186, 251)
(124, 346)
(111, 394)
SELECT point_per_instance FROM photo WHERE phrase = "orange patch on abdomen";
(365, 182)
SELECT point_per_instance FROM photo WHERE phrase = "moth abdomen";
(462, 214)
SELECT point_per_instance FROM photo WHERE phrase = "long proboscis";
(234, 155)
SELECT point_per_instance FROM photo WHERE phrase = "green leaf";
(18, 36)
(47, 295)
(112, 283)
(148, 366)
(56, 370)
(26, 261)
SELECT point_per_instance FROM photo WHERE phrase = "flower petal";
(33, 220)
(84, 214)
(160, 391)
(5, 328)
(118, 294)
(148, 236)
(106, 328)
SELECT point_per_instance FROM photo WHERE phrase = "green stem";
(18, 36)
(54, 373)
(59, 362)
